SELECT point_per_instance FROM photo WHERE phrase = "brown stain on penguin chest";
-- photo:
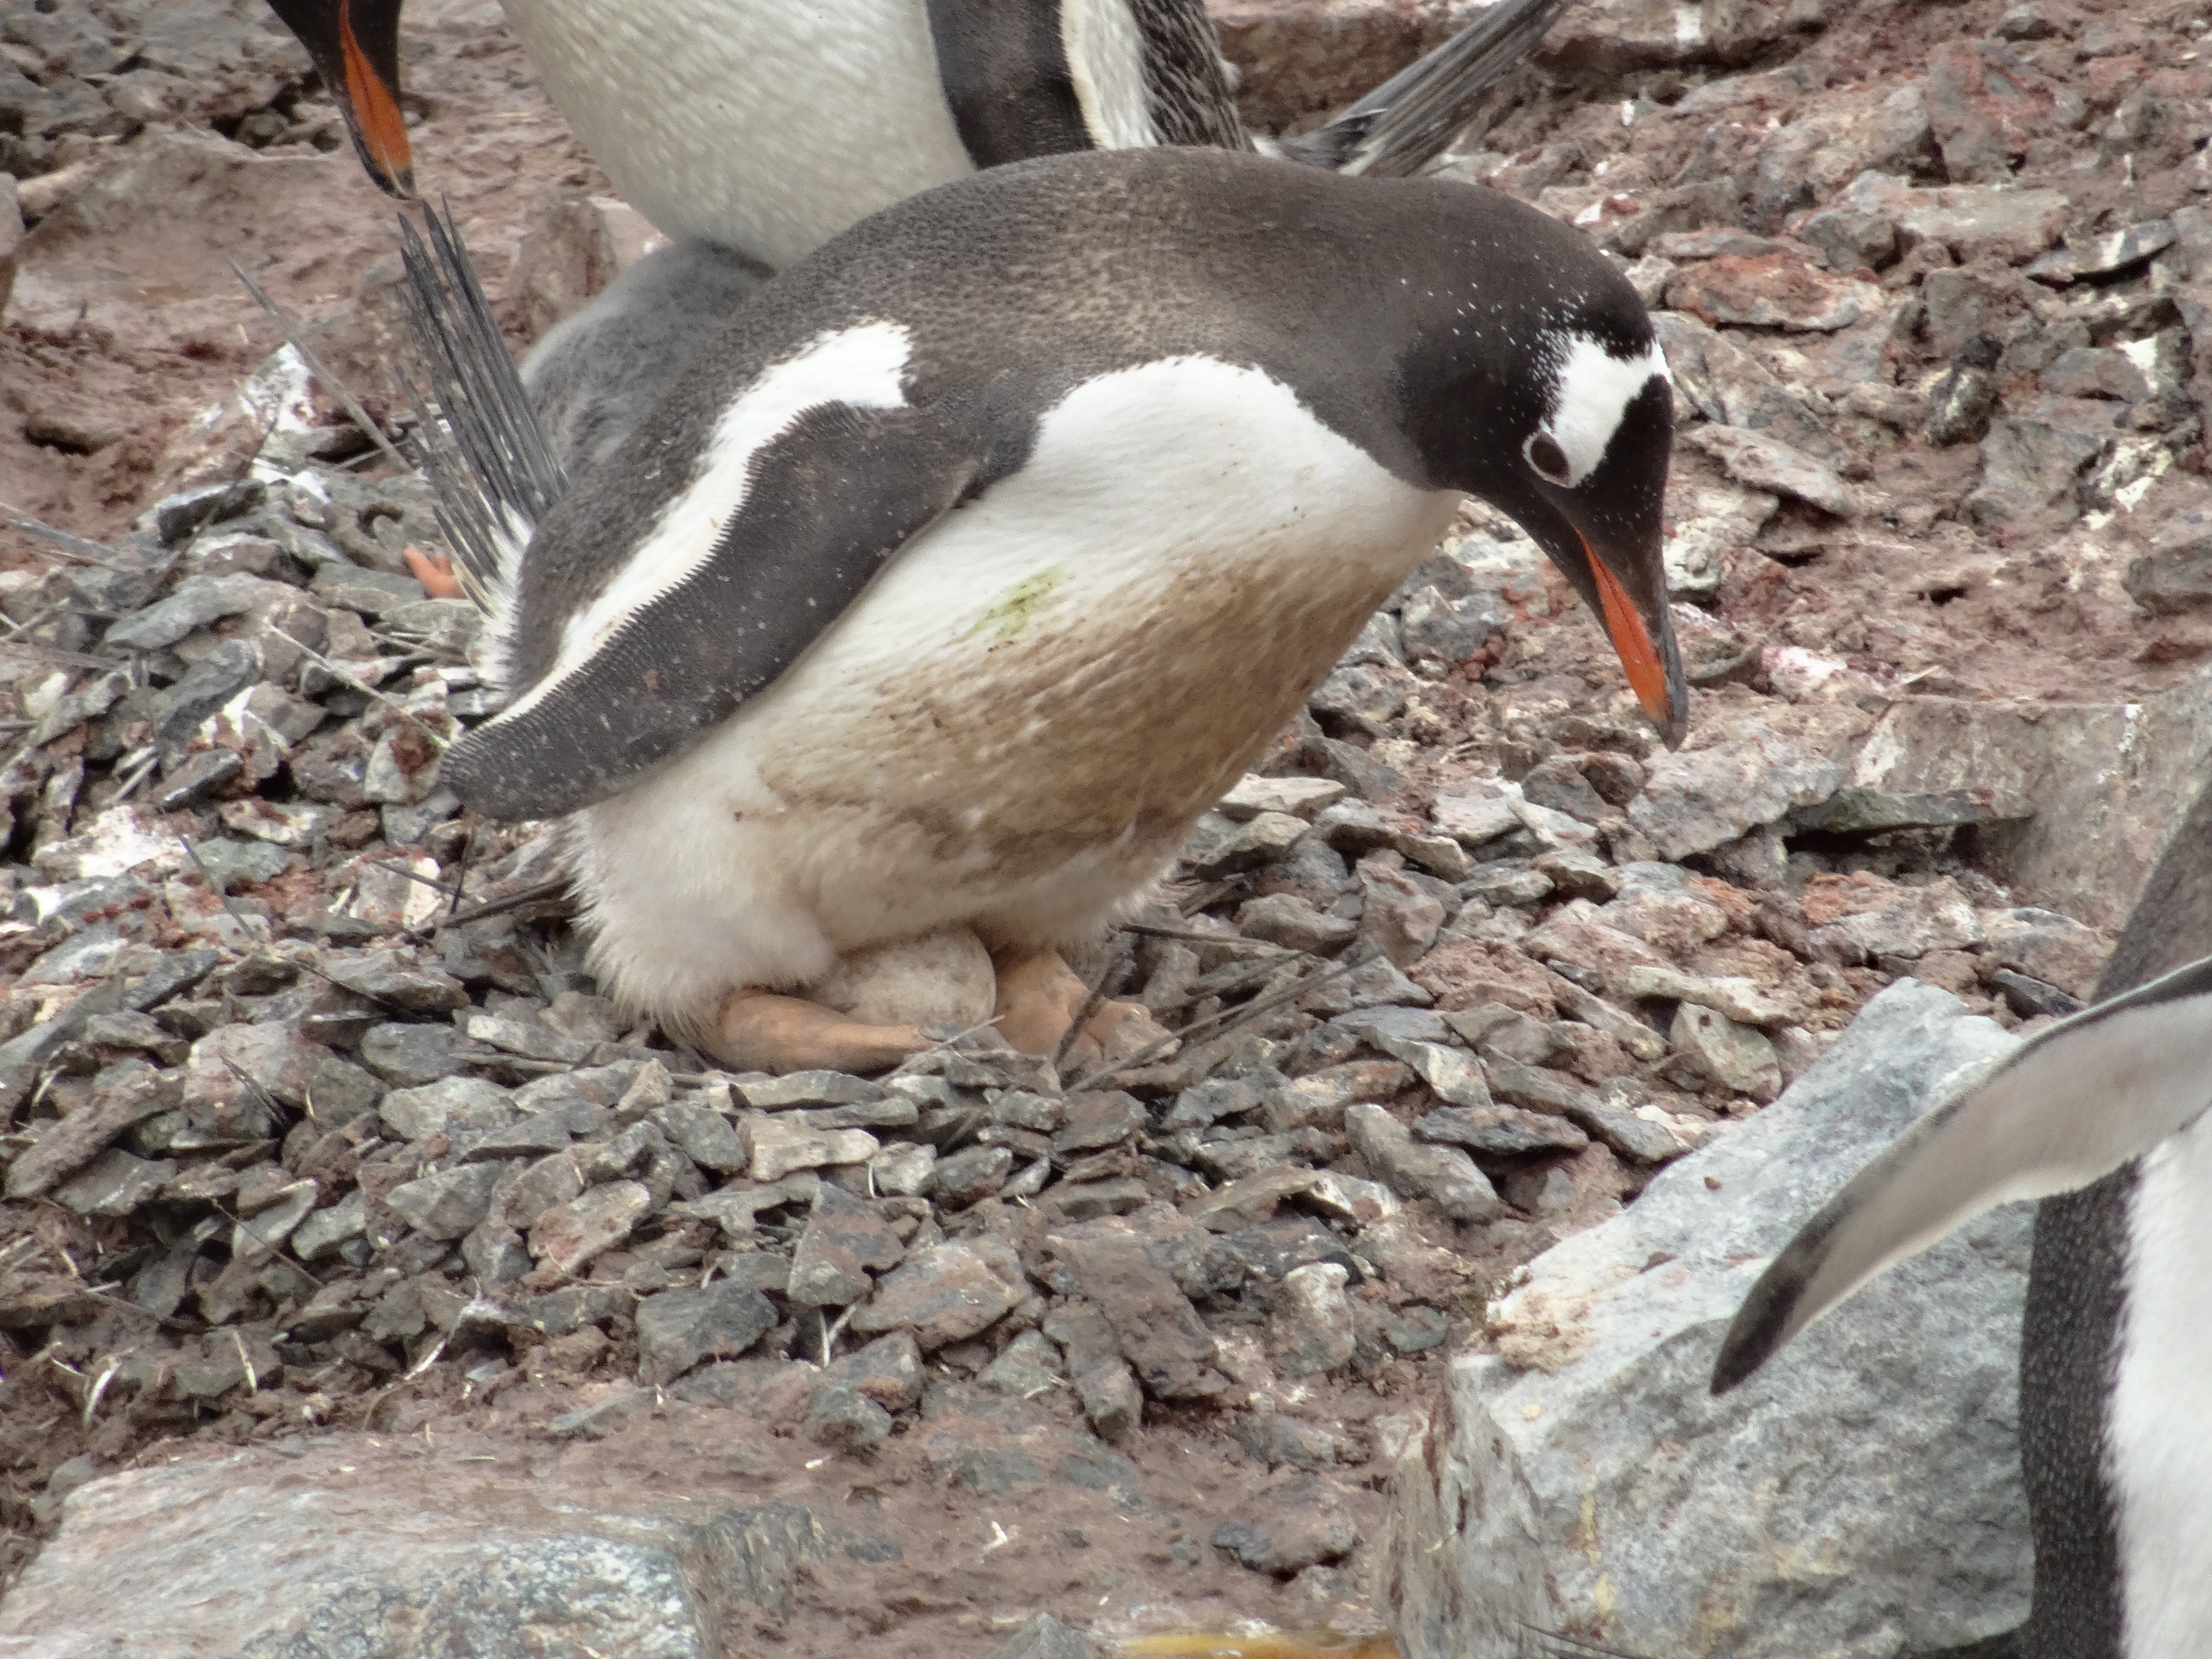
(1061, 724)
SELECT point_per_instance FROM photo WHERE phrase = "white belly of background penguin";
(764, 127)
(751, 131)
(992, 541)
(2162, 1384)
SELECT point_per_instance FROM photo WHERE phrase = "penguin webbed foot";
(435, 572)
(1039, 1001)
(759, 1030)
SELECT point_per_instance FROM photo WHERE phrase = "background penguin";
(991, 543)
(751, 131)
(2107, 1108)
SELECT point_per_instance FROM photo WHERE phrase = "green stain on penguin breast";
(1020, 603)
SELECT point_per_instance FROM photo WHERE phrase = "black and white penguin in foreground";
(2108, 1109)
(751, 132)
(992, 542)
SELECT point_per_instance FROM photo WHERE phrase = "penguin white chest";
(1018, 723)
(765, 127)
(2159, 1429)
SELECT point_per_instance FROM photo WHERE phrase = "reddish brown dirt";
(128, 321)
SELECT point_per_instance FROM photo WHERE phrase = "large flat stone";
(1860, 1496)
(240, 1557)
(2107, 783)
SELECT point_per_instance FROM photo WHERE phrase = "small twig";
(419, 647)
(245, 1359)
(426, 1362)
(1153, 930)
(495, 907)
(1258, 967)
(1235, 1017)
(830, 1334)
(944, 1044)
(131, 783)
(359, 684)
(461, 872)
(297, 337)
(215, 886)
(275, 1106)
(55, 654)
(35, 619)
(1578, 1644)
(396, 868)
(405, 652)
(233, 1216)
(190, 1327)
(114, 1364)
(405, 1015)
(521, 1063)
(76, 547)
(1199, 897)
(1115, 959)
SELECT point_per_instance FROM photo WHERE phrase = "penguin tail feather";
(489, 464)
(1412, 118)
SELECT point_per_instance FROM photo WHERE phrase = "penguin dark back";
(1460, 339)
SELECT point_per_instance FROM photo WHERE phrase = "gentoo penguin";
(2103, 1117)
(751, 131)
(991, 541)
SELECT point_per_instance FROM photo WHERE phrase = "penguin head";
(1591, 489)
(354, 45)
(1549, 398)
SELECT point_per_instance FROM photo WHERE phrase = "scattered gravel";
(313, 1120)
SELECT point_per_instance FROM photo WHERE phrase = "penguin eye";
(1544, 453)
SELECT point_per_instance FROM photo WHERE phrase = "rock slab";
(1860, 1496)
(205, 1558)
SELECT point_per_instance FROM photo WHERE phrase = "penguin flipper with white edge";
(2067, 1108)
(740, 576)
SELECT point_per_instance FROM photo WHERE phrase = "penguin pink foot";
(435, 572)
(1115, 1035)
(758, 1031)
(1039, 999)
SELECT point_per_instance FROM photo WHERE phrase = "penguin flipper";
(2066, 1109)
(623, 664)
(1400, 128)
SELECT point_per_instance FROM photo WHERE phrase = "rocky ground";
(321, 1147)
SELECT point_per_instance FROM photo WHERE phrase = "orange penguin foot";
(758, 1031)
(1039, 1001)
(1115, 1034)
(435, 572)
(1038, 998)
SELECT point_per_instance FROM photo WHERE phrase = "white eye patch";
(1592, 391)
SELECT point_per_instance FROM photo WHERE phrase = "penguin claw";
(757, 1030)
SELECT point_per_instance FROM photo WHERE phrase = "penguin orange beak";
(355, 47)
(1647, 651)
